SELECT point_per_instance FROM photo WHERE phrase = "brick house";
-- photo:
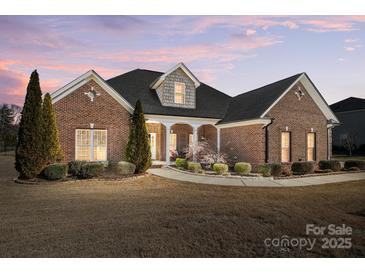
(284, 121)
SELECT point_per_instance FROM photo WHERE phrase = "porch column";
(218, 140)
(167, 153)
(195, 141)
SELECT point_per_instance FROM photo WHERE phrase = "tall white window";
(179, 93)
(311, 146)
(285, 147)
(91, 145)
(190, 139)
(173, 141)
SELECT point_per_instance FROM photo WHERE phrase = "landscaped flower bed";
(275, 170)
(83, 170)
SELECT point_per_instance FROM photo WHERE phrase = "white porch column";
(218, 140)
(195, 141)
(167, 135)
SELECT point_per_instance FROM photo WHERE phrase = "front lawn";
(155, 217)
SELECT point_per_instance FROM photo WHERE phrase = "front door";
(153, 145)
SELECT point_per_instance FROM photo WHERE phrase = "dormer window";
(179, 93)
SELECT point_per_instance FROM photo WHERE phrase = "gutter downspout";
(267, 140)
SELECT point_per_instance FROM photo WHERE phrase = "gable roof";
(136, 84)
(181, 66)
(254, 103)
(80, 81)
(258, 102)
(348, 104)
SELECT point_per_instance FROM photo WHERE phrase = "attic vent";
(299, 93)
(92, 94)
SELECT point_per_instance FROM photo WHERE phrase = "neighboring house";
(282, 122)
(351, 112)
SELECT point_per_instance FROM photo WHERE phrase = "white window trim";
(92, 144)
(184, 97)
(173, 148)
(314, 146)
(281, 146)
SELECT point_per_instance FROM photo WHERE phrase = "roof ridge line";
(298, 75)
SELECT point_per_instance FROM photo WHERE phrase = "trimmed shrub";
(220, 168)
(123, 168)
(193, 166)
(242, 168)
(301, 168)
(354, 168)
(264, 169)
(276, 169)
(334, 165)
(74, 167)
(286, 172)
(181, 163)
(355, 163)
(55, 171)
(90, 170)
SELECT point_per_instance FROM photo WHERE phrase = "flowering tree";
(205, 153)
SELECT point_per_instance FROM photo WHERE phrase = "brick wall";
(247, 143)
(299, 117)
(76, 111)
(166, 91)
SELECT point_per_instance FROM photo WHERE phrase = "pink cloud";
(250, 32)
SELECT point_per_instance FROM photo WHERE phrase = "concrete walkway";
(255, 181)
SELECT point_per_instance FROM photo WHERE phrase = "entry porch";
(179, 135)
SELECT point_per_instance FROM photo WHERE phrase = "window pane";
(179, 93)
(190, 139)
(100, 145)
(173, 143)
(82, 144)
(285, 146)
(311, 146)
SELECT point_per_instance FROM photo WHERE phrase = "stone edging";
(215, 176)
(73, 180)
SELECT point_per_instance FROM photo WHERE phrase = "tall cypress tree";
(29, 160)
(138, 148)
(51, 145)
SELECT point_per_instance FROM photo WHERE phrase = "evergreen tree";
(29, 160)
(138, 149)
(7, 129)
(51, 145)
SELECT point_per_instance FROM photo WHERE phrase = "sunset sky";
(231, 53)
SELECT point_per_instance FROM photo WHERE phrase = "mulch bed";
(318, 174)
(70, 179)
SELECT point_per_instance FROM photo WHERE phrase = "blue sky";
(231, 53)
